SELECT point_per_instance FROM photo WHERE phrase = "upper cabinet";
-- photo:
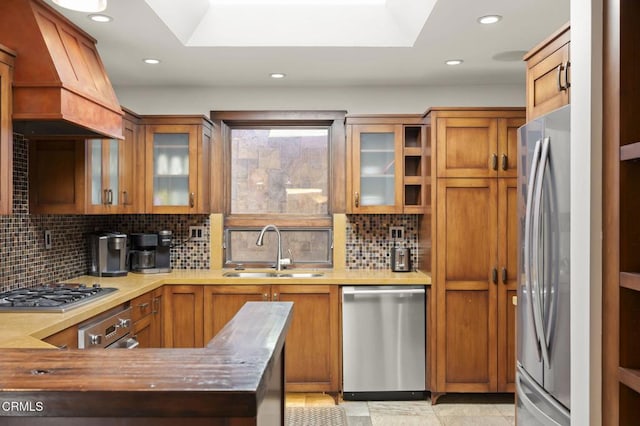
(114, 171)
(96, 176)
(388, 167)
(477, 143)
(177, 164)
(549, 74)
(6, 131)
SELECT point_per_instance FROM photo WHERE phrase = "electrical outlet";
(396, 232)
(47, 240)
(196, 233)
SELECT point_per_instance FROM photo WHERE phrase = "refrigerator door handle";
(536, 282)
(527, 237)
(531, 407)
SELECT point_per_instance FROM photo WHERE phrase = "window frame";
(224, 121)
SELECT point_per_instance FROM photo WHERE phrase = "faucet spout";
(260, 242)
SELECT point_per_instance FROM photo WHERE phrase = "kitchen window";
(279, 167)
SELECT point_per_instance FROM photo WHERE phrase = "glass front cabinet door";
(376, 168)
(177, 168)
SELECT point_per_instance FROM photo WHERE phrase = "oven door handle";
(131, 343)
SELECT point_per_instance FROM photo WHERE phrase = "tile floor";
(451, 410)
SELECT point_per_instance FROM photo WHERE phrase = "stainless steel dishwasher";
(383, 342)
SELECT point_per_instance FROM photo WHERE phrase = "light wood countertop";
(25, 330)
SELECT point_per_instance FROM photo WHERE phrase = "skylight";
(289, 23)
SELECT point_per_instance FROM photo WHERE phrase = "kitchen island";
(236, 380)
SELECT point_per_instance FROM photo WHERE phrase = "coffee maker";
(108, 253)
(151, 253)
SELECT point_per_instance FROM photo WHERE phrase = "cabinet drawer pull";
(567, 84)
(143, 306)
(192, 200)
(505, 162)
(504, 275)
(494, 161)
(494, 275)
(105, 196)
(357, 200)
(156, 305)
(110, 198)
(125, 197)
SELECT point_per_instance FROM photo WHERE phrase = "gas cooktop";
(51, 297)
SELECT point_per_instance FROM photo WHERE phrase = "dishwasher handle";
(383, 291)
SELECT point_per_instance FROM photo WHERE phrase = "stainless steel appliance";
(151, 253)
(400, 259)
(108, 253)
(383, 342)
(109, 330)
(543, 366)
(51, 297)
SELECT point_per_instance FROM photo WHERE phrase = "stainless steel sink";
(250, 274)
(301, 275)
(273, 274)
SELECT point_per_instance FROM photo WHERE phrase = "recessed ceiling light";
(83, 5)
(489, 19)
(151, 61)
(277, 75)
(454, 62)
(100, 18)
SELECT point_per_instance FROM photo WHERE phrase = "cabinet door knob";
(494, 161)
(125, 197)
(560, 86)
(110, 198)
(357, 199)
(265, 296)
(505, 162)
(105, 196)
(275, 296)
(192, 200)
(494, 275)
(504, 275)
(567, 83)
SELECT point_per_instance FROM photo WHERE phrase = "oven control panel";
(105, 330)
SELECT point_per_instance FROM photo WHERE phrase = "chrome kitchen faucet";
(280, 262)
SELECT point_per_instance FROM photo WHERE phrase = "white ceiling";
(491, 53)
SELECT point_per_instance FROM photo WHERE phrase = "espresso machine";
(150, 253)
(108, 253)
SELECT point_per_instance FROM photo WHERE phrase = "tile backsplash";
(368, 242)
(25, 262)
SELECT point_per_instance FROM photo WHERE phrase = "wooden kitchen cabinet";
(312, 349)
(65, 339)
(476, 277)
(114, 170)
(56, 177)
(146, 313)
(7, 58)
(548, 77)
(222, 302)
(477, 143)
(96, 176)
(183, 317)
(177, 164)
(388, 164)
(312, 352)
(474, 253)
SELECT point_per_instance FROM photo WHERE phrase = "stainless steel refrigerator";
(543, 366)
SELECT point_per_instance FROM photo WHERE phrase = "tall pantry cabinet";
(474, 261)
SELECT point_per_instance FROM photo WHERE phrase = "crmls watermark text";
(22, 406)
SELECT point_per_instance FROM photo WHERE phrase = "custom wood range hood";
(60, 87)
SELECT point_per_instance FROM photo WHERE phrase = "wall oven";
(110, 330)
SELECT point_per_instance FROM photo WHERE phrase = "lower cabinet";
(147, 319)
(193, 315)
(65, 339)
(183, 316)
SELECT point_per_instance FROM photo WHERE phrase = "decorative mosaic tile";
(368, 243)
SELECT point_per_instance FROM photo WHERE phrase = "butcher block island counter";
(236, 380)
